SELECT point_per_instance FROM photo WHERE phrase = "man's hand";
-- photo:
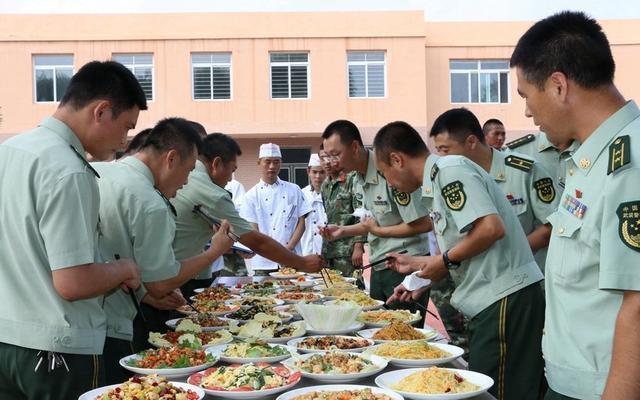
(169, 302)
(402, 263)
(433, 268)
(132, 271)
(370, 224)
(222, 235)
(331, 232)
(356, 255)
(312, 263)
(400, 293)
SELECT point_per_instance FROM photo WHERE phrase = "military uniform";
(594, 256)
(341, 198)
(136, 223)
(49, 203)
(192, 232)
(390, 207)
(541, 149)
(496, 290)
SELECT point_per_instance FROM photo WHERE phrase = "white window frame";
(49, 67)
(290, 64)
(133, 66)
(211, 65)
(479, 71)
(366, 73)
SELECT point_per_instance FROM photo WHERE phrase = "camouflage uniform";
(233, 265)
(453, 320)
(341, 198)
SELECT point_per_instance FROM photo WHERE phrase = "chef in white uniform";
(275, 207)
(311, 239)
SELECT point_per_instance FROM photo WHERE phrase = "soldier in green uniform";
(591, 343)
(214, 168)
(552, 156)
(137, 221)
(399, 220)
(495, 274)
(341, 199)
(52, 326)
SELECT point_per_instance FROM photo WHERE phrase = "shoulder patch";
(523, 164)
(619, 153)
(434, 171)
(402, 198)
(545, 190)
(521, 141)
(629, 224)
(454, 195)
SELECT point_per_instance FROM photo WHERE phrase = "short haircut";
(459, 123)
(398, 136)
(138, 140)
(220, 145)
(173, 134)
(106, 80)
(347, 130)
(199, 128)
(568, 42)
(486, 127)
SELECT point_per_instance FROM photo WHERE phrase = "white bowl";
(295, 342)
(95, 393)
(390, 378)
(378, 362)
(168, 372)
(342, 331)
(337, 388)
(430, 334)
(219, 352)
(425, 362)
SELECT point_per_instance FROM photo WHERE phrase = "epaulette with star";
(523, 164)
(619, 153)
(521, 141)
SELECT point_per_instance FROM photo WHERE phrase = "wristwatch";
(448, 263)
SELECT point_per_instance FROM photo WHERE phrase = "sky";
(435, 10)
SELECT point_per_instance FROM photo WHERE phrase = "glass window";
(211, 76)
(366, 73)
(479, 81)
(141, 65)
(51, 75)
(289, 75)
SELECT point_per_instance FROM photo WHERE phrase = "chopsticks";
(381, 261)
(197, 209)
(328, 276)
(132, 294)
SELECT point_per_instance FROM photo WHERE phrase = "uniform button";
(271, 214)
(66, 340)
(561, 229)
(274, 228)
(283, 197)
(266, 199)
(571, 171)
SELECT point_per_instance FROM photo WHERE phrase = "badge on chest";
(574, 206)
(514, 200)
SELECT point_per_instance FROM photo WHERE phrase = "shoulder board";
(619, 153)
(434, 171)
(84, 161)
(521, 141)
(523, 164)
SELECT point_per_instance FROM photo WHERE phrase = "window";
(479, 81)
(366, 71)
(211, 76)
(141, 65)
(289, 75)
(51, 75)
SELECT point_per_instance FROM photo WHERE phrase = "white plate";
(172, 323)
(276, 302)
(319, 275)
(319, 298)
(284, 318)
(95, 393)
(379, 304)
(431, 334)
(291, 310)
(379, 363)
(354, 327)
(382, 324)
(295, 342)
(387, 379)
(274, 340)
(426, 362)
(168, 372)
(248, 395)
(219, 351)
(278, 275)
(337, 388)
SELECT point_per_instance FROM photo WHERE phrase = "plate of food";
(255, 287)
(336, 366)
(398, 331)
(296, 297)
(145, 387)
(247, 381)
(173, 362)
(208, 322)
(367, 305)
(341, 392)
(270, 329)
(253, 351)
(323, 344)
(416, 353)
(286, 273)
(380, 318)
(435, 383)
(332, 273)
(289, 309)
(256, 301)
(215, 293)
(243, 315)
(188, 334)
(214, 307)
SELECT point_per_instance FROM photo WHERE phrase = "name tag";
(380, 203)
(515, 200)
(574, 206)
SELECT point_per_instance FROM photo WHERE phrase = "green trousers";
(453, 320)
(551, 395)
(155, 322)
(188, 288)
(19, 381)
(505, 343)
(114, 350)
(382, 284)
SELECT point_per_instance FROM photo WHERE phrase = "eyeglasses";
(330, 158)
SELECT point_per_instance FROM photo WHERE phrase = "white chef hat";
(314, 160)
(269, 150)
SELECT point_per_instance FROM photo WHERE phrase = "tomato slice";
(195, 379)
(294, 377)
(242, 389)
